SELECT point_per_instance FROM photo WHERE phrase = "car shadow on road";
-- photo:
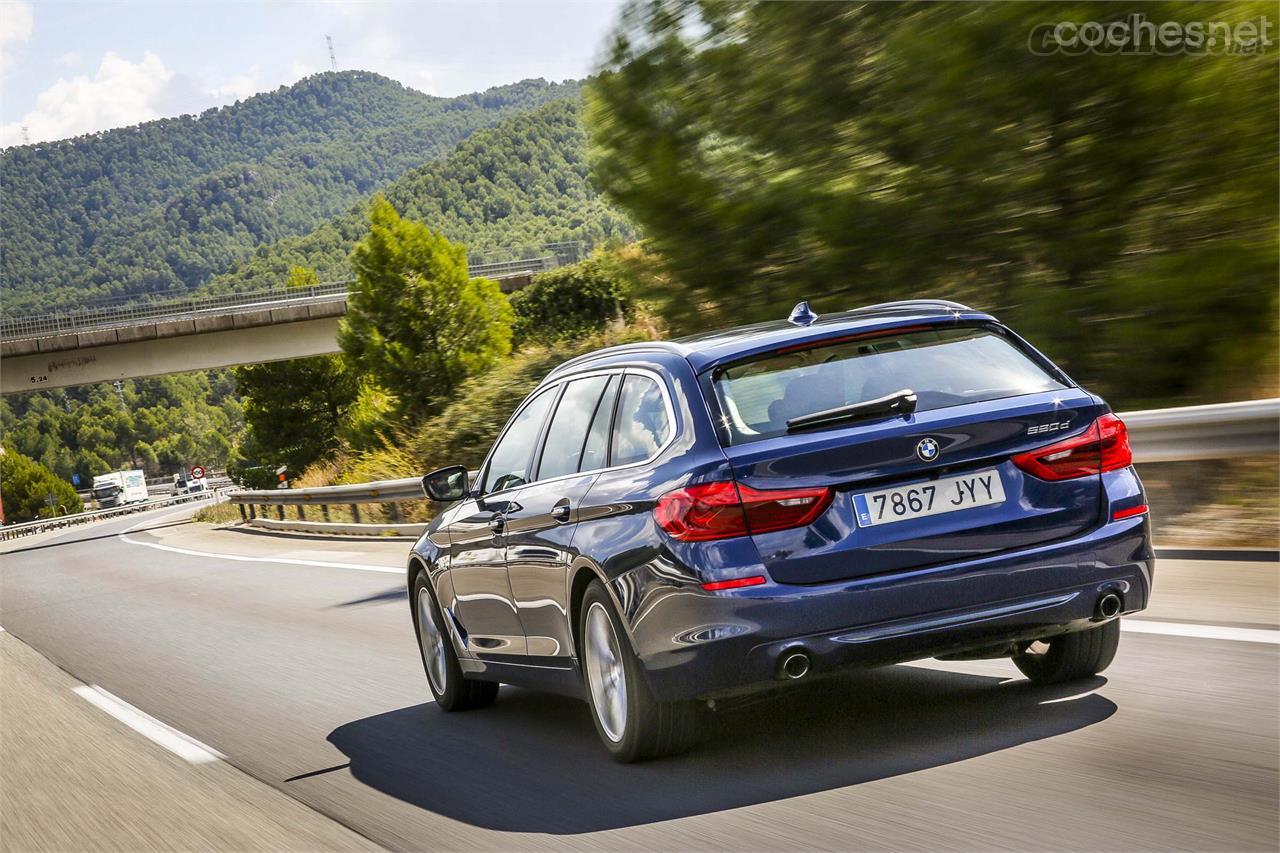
(532, 762)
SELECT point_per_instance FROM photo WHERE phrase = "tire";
(644, 728)
(452, 690)
(1068, 657)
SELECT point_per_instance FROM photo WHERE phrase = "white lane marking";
(1202, 632)
(240, 558)
(148, 726)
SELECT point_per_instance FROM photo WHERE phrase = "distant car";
(663, 523)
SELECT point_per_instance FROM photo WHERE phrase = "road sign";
(197, 472)
(75, 479)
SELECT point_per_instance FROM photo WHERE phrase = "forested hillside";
(152, 216)
(170, 203)
(519, 184)
(164, 425)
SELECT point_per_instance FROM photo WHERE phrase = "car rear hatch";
(911, 483)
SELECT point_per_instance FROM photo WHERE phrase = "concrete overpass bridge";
(200, 332)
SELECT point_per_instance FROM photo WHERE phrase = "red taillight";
(736, 583)
(1129, 512)
(726, 509)
(1104, 446)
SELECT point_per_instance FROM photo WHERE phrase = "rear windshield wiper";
(901, 403)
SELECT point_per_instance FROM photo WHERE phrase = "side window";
(569, 425)
(641, 426)
(509, 464)
(595, 451)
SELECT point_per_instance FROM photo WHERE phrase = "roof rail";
(908, 304)
(620, 349)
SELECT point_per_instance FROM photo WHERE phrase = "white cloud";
(299, 69)
(238, 87)
(426, 82)
(16, 23)
(120, 93)
(70, 59)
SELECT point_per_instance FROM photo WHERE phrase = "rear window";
(944, 367)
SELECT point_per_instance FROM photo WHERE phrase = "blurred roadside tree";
(26, 487)
(1121, 210)
(416, 322)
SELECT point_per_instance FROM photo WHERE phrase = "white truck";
(119, 488)
(188, 484)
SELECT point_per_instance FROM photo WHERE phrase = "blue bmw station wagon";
(662, 524)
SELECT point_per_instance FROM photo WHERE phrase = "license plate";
(949, 494)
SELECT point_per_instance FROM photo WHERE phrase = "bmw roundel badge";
(927, 450)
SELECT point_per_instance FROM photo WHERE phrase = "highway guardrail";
(113, 316)
(41, 525)
(1224, 430)
(254, 507)
(1221, 431)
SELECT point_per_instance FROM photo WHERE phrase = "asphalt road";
(295, 661)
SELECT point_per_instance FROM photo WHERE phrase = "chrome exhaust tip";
(1108, 607)
(794, 665)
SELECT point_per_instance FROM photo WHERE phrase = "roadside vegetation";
(1121, 212)
(223, 513)
(432, 348)
(32, 491)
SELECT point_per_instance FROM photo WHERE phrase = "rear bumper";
(695, 644)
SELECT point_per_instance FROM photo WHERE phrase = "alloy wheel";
(606, 677)
(431, 641)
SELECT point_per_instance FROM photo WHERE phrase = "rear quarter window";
(944, 367)
(641, 425)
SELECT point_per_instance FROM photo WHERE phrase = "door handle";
(497, 523)
(560, 512)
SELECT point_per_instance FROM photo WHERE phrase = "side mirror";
(447, 484)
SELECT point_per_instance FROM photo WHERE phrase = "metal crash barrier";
(1221, 431)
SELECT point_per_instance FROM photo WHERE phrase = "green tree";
(416, 322)
(573, 300)
(30, 490)
(1121, 209)
(302, 277)
(294, 409)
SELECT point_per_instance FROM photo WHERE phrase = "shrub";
(464, 430)
(27, 489)
(574, 300)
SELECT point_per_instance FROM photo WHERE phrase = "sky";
(69, 67)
